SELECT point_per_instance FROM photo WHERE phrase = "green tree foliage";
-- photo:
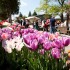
(53, 9)
(29, 13)
(62, 6)
(9, 7)
(61, 3)
(43, 6)
(47, 8)
(65, 7)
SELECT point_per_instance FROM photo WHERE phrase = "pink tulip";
(46, 34)
(42, 51)
(14, 24)
(17, 28)
(57, 34)
(51, 36)
(4, 36)
(19, 25)
(40, 32)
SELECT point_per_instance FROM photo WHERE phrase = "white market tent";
(57, 17)
(32, 18)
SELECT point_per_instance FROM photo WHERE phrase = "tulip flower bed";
(29, 49)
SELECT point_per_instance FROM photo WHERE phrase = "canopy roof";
(57, 17)
(32, 18)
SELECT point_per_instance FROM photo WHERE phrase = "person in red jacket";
(46, 24)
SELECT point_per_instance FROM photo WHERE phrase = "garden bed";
(30, 49)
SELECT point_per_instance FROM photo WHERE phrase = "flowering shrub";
(33, 50)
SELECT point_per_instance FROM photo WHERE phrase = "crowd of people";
(36, 24)
(49, 25)
(23, 22)
(26, 23)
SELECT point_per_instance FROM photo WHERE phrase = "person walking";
(37, 27)
(27, 23)
(24, 22)
(52, 25)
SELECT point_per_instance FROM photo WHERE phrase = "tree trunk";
(67, 21)
(10, 19)
(62, 20)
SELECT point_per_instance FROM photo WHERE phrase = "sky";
(28, 5)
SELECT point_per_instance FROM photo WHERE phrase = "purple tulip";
(47, 45)
(0, 34)
(55, 53)
(22, 31)
(34, 44)
(8, 31)
(66, 41)
(26, 39)
(41, 39)
(16, 33)
(28, 30)
(46, 34)
(57, 44)
(31, 41)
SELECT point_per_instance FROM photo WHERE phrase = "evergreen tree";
(20, 15)
(34, 13)
(29, 13)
